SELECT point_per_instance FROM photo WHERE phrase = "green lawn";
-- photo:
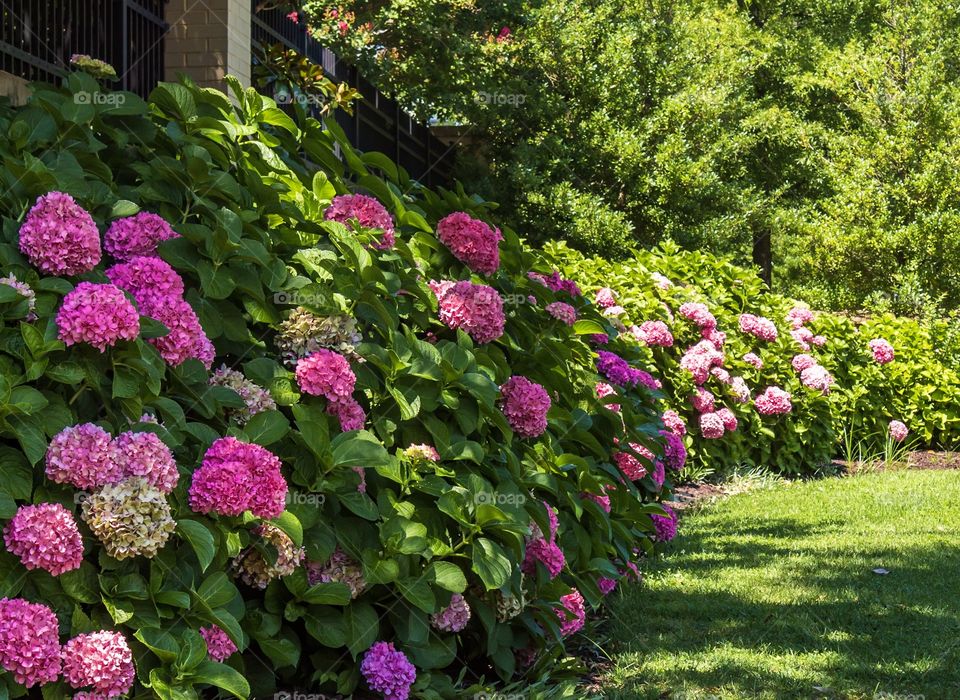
(770, 594)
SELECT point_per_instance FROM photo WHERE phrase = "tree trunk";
(763, 253)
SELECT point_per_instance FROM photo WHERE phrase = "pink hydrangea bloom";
(367, 212)
(759, 327)
(604, 390)
(82, 455)
(59, 237)
(660, 281)
(186, 339)
(572, 605)
(339, 568)
(882, 351)
(454, 617)
(612, 311)
(617, 370)
(799, 316)
(25, 291)
(349, 412)
(721, 374)
(423, 452)
(740, 390)
(101, 661)
(238, 476)
(674, 422)
(387, 671)
(816, 377)
(547, 553)
(665, 526)
(773, 401)
(606, 298)
(718, 338)
(601, 500)
(700, 358)
(711, 425)
(631, 467)
(606, 585)
(475, 308)
(753, 359)
(219, 644)
(525, 404)
(802, 337)
(702, 400)
(562, 312)
(699, 314)
(97, 314)
(144, 454)
(45, 536)
(149, 280)
(654, 334)
(729, 419)
(819, 340)
(472, 242)
(556, 283)
(802, 361)
(29, 641)
(898, 431)
(326, 373)
(137, 235)
(674, 451)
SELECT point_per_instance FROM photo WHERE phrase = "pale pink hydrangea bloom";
(145, 454)
(819, 340)
(802, 361)
(45, 536)
(740, 390)
(802, 337)
(472, 242)
(82, 455)
(700, 358)
(898, 430)
(238, 476)
(525, 404)
(606, 298)
(718, 338)
(101, 661)
(555, 282)
(702, 400)
(604, 390)
(699, 314)
(97, 314)
(219, 645)
(59, 237)
(711, 425)
(454, 617)
(753, 359)
(388, 671)
(572, 605)
(660, 281)
(674, 422)
(475, 308)
(729, 419)
(25, 291)
(773, 401)
(882, 351)
(816, 377)
(367, 212)
(759, 327)
(137, 235)
(562, 312)
(721, 374)
(29, 642)
(799, 316)
(654, 334)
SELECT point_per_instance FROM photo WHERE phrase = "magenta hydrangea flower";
(898, 431)
(674, 422)
(616, 369)
(137, 235)
(711, 425)
(572, 605)
(799, 316)
(729, 419)
(699, 314)
(367, 212)
(674, 451)
(45, 536)
(219, 644)
(556, 283)
(29, 641)
(145, 454)
(601, 500)
(454, 617)
(606, 585)
(101, 661)
(472, 242)
(563, 312)
(702, 401)
(547, 553)
(604, 390)
(665, 526)
(186, 339)
(631, 467)
(238, 476)
(475, 308)
(817, 377)
(97, 314)
(605, 298)
(654, 334)
(59, 237)
(773, 401)
(326, 373)
(753, 359)
(525, 404)
(388, 671)
(82, 455)
(758, 327)
(882, 351)
(149, 280)
(349, 412)
(802, 361)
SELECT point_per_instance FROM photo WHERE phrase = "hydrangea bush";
(401, 479)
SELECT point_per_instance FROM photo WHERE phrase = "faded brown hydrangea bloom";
(255, 569)
(131, 518)
(304, 332)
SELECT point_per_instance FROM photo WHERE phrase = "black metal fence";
(38, 37)
(378, 123)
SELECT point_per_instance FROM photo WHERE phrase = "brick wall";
(207, 40)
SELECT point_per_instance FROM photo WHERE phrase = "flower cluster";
(758, 327)
(572, 615)
(238, 476)
(882, 351)
(617, 370)
(474, 308)
(699, 359)
(545, 551)
(753, 359)
(255, 398)
(149, 280)
(29, 641)
(144, 454)
(59, 237)
(603, 391)
(472, 242)
(454, 617)
(423, 452)
(367, 212)
(711, 425)
(45, 536)
(773, 401)
(339, 568)
(387, 671)
(799, 316)
(602, 500)
(554, 282)
(563, 312)
(817, 377)
(802, 362)
(605, 298)
(349, 412)
(703, 401)
(101, 661)
(24, 290)
(898, 430)
(82, 455)
(660, 281)
(674, 422)
(219, 644)
(131, 518)
(631, 467)
(525, 404)
(137, 235)
(674, 451)
(665, 526)
(97, 314)
(302, 333)
(699, 314)
(326, 373)
(606, 585)
(256, 569)
(654, 334)
(94, 66)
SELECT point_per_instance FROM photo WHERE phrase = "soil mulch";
(921, 459)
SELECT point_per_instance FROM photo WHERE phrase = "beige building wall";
(207, 40)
